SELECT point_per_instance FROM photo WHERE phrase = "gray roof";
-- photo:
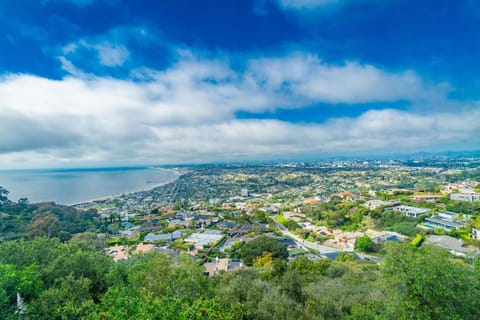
(151, 237)
(439, 220)
(411, 209)
(449, 243)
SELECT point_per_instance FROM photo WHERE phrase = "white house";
(413, 212)
(465, 196)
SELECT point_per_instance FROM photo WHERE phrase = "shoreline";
(111, 197)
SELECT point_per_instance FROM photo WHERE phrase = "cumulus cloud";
(186, 113)
(306, 77)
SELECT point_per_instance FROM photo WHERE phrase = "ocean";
(69, 186)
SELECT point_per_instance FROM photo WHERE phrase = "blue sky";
(116, 82)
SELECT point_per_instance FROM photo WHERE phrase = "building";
(445, 220)
(475, 234)
(465, 196)
(346, 240)
(244, 192)
(152, 237)
(454, 246)
(388, 237)
(426, 197)
(411, 211)
(222, 265)
(118, 253)
(374, 204)
(203, 239)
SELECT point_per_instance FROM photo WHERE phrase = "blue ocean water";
(68, 186)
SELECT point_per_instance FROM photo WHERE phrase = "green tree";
(3, 196)
(258, 246)
(68, 298)
(44, 225)
(364, 244)
(425, 283)
(345, 257)
(16, 283)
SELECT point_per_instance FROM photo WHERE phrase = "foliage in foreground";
(47, 279)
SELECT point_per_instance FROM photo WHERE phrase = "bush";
(417, 241)
(364, 244)
(405, 228)
(259, 246)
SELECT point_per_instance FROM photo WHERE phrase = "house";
(385, 236)
(152, 237)
(306, 225)
(118, 253)
(426, 197)
(227, 225)
(374, 204)
(222, 265)
(323, 198)
(244, 192)
(202, 239)
(323, 231)
(413, 212)
(143, 248)
(270, 209)
(475, 234)
(454, 246)
(287, 242)
(446, 220)
(346, 240)
(130, 233)
(349, 196)
(465, 196)
(179, 222)
(127, 225)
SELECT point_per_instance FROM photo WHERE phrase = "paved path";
(304, 243)
(320, 248)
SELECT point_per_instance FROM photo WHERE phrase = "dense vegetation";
(48, 279)
(24, 220)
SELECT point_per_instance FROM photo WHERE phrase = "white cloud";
(108, 50)
(306, 77)
(79, 3)
(306, 4)
(111, 55)
(305, 7)
(187, 113)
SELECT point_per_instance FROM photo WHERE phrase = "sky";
(116, 82)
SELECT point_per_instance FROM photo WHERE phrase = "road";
(304, 244)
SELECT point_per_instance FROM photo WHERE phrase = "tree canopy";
(261, 245)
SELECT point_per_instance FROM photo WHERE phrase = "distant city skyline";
(89, 83)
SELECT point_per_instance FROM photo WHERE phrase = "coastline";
(111, 197)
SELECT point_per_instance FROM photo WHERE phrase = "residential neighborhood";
(315, 210)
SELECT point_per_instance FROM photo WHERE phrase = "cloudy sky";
(119, 82)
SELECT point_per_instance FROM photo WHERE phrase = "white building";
(465, 196)
(244, 192)
(475, 234)
(411, 211)
(374, 204)
(446, 220)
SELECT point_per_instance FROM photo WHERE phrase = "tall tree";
(426, 283)
(44, 225)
